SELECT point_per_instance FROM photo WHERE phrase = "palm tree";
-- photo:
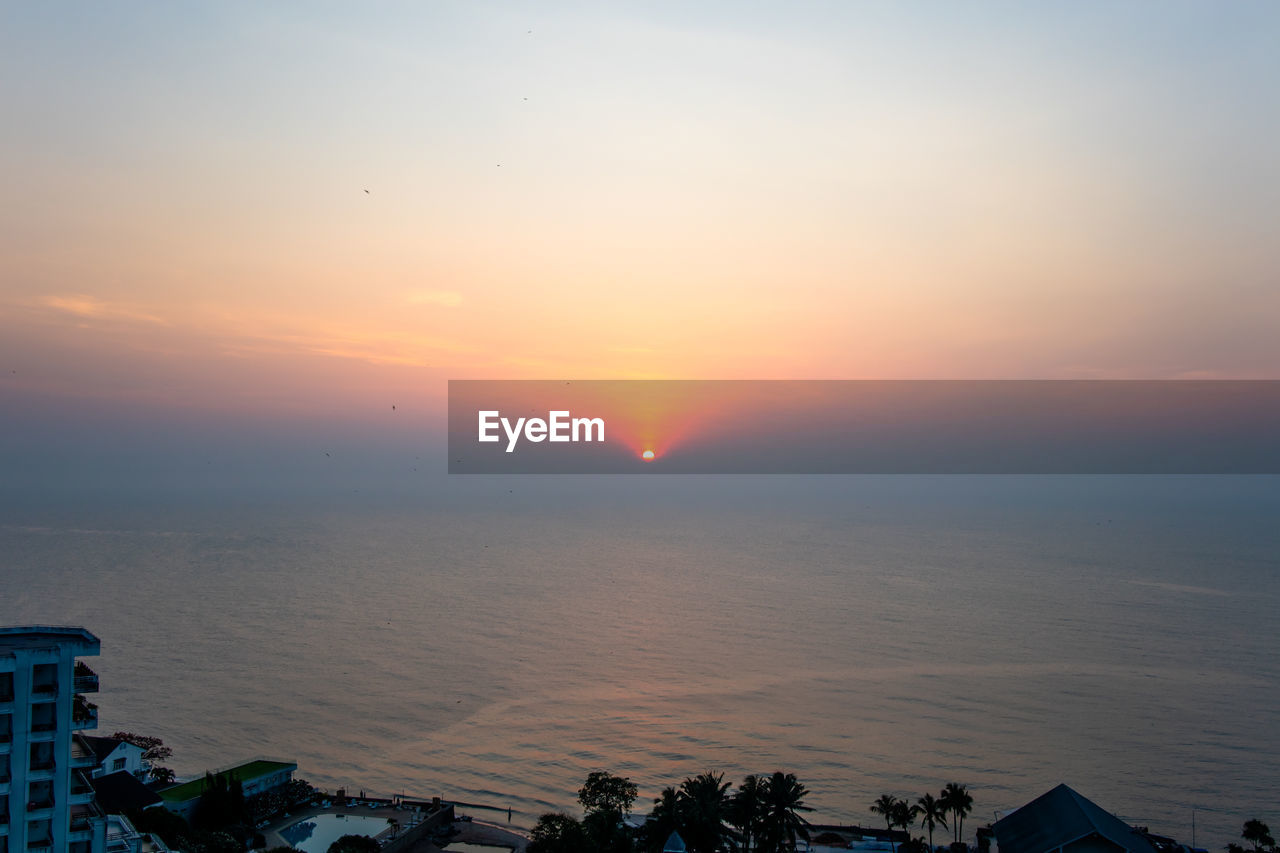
(887, 807)
(1259, 834)
(746, 810)
(781, 821)
(663, 820)
(904, 815)
(932, 814)
(703, 808)
(956, 800)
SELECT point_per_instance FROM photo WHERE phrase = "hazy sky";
(658, 190)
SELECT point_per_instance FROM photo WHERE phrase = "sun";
(647, 456)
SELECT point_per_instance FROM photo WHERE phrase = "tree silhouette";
(557, 833)
(904, 815)
(955, 799)
(746, 811)
(604, 792)
(886, 806)
(662, 821)
(702, 808)
(354, 844)
(931, 815)
(1258, 834)
(781, 820)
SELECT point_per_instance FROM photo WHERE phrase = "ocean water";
(493, 640)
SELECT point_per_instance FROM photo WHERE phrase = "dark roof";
(1060, 817)
(675, 844)
(118, 793)
(101, 746)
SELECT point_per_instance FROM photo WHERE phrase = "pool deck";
(477, 832)
(470, 832)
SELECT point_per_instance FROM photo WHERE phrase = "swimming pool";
(315, 834)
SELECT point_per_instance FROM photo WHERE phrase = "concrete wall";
(441, 817)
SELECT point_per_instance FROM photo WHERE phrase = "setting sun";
(647, 456)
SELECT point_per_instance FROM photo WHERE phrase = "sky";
(262, 225)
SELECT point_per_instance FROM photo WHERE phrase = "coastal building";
(46, 801)
(255, 777)
(1064, 821)
(115, 755)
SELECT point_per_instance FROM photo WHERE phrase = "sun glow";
(647, 456)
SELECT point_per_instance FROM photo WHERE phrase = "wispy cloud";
(85, 306)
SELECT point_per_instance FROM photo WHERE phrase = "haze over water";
(496, 639)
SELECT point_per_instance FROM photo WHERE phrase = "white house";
(115, 755)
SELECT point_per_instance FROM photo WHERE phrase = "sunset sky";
(251, 216)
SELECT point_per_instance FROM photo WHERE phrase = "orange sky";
(629, 193)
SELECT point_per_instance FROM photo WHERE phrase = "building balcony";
(84, 680)
(82, 821)
(84, 714)
(41, 773)
(81, 792)
(41, 809)
(82, 756)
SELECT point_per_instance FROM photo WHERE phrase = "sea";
(493, 640)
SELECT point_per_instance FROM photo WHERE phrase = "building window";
(44, 678)
(39, 832)
(43, 717)
(39, 796)
(41, 756)
(118, 764)
(6, 686)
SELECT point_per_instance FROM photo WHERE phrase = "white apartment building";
(46, 801)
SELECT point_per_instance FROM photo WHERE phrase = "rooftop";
(102, 746)
(1059, 817)
(16, 637)
(118, 793)
(246, 772)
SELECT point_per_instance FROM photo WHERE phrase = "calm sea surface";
(494, 640)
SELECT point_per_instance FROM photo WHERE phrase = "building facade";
(46, 801)
(255, 777)
(115, 755)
